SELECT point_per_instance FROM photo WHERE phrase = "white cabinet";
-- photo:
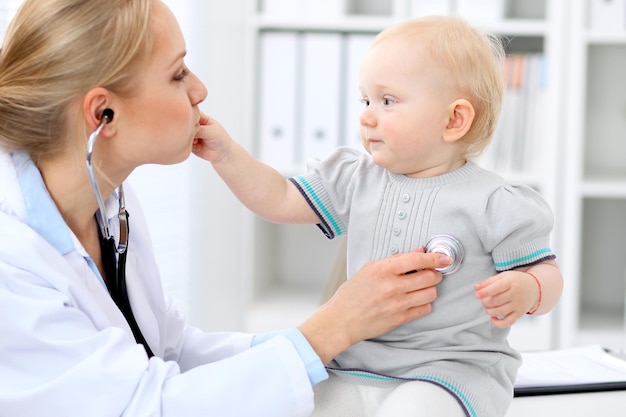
(594, 244)
(292, 264)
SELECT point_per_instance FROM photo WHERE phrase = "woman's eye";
(181, 75)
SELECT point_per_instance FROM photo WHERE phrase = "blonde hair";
(54, 52)
(473, 64)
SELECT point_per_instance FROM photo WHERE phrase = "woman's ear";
(95, 102)
(460, 120)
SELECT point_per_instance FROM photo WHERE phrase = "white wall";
(195, 219)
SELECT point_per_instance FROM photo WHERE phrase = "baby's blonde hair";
(54, 52)
(472, 61)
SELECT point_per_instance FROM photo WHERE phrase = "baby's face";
(407, 107)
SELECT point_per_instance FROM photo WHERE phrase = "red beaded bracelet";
(531, 312)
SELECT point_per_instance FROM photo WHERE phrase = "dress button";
(396, 231)
(394, 251)
(406, 198)
(402, 215)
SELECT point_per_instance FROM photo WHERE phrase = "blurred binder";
(429, 7)
(321, 94)
(607, 15)
(356, 47)
(305, 9)
(277, 107)
(323, 9)
(569, 371)
(481, 10)
(281, 8)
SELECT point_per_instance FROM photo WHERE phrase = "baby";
(432, 90)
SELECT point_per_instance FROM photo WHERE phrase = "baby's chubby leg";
(337, 397)
(420, 399)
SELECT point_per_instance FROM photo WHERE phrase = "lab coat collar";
(42, 213)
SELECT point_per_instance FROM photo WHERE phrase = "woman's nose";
(198, 91)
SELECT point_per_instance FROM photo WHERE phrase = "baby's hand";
(212, 140)
(507, 296)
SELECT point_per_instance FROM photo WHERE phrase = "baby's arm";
(258, 186)
(509, 295)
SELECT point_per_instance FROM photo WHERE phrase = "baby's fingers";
(491, 287)
(486, 282)
(504, 322)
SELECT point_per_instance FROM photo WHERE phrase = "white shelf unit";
(594, 244)
(295, 262)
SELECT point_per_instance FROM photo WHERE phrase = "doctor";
(85, 329)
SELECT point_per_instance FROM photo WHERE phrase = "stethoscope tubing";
(123, 216)
(115, 266)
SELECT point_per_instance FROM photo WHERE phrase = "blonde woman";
(90, 90)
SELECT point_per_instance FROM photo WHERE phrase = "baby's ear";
(460, 120)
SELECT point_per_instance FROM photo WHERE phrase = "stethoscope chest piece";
(447, 245)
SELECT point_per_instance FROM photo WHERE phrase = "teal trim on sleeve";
(524, 259)
(320, 204)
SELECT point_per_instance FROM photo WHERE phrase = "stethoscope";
(107, 116)
(113, 254)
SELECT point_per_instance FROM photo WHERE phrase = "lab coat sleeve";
(197, 347)
(56, 363)
(267, 380)
(315, 368)
(190, 347)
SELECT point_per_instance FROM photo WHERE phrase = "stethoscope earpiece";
(107, 115)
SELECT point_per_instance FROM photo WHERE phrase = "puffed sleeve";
(521, 222)
(327, 188)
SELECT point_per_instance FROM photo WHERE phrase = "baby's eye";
(365, 101)
(388, 101)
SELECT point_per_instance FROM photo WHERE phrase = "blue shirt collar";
(43, 215)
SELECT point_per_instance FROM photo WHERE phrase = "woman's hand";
(378, 298)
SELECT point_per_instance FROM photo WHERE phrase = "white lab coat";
(66, 350)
